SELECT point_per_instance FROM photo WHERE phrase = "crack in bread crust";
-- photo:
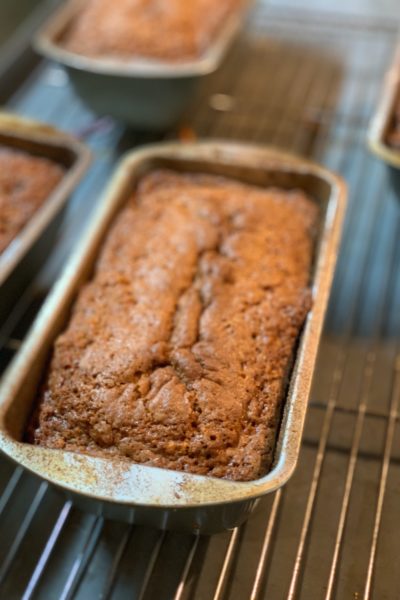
(178, 350)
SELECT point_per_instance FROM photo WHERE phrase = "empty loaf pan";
(139, 493)
(146, 93)
(24, 255)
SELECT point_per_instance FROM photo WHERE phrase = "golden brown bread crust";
(158, 29)
(178, 350)
(26, 181)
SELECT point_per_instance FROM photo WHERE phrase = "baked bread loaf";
(178, 350)
(157, 29)
(26, 181)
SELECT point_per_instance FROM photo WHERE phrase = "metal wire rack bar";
(383, 479)
(44, 557)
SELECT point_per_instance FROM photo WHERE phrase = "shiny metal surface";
(137, 493)
(130, 89)
(382, 120)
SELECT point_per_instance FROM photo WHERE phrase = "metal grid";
(332, 531)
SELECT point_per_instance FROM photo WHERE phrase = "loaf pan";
(148, 495)
(146, 93)
(24, 255)
(383, 121)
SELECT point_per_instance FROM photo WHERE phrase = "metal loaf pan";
(24, 255)
(138, 493)
(146, 93)
(384, 119)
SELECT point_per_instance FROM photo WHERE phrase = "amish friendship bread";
(178, 350)
(26, 181)
(158, 29)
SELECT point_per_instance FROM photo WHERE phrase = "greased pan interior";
(139, 493)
